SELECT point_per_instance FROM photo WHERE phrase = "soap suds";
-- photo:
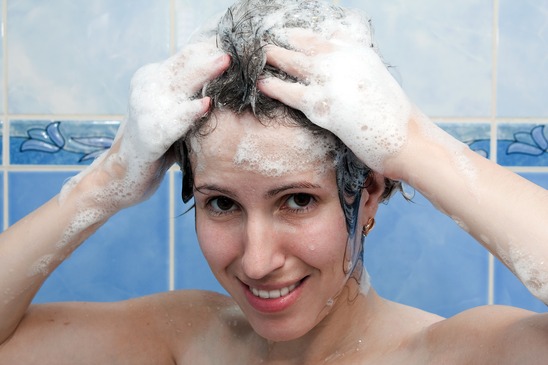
(531, 271)
(306, 150)
(161, 110)
(346, 100)
(41, 266)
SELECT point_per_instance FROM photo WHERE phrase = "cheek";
(217, 244)
(323, 242)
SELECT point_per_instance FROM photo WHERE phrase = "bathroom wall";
(477, 67)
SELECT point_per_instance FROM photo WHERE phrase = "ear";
(371, 196)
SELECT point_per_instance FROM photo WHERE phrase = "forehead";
(242, 142)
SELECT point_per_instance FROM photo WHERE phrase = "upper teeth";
(272, 294)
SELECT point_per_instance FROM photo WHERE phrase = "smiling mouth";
(274, 294)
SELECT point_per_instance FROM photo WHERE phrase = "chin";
(288, 329)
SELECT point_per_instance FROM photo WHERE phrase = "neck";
(345, 329)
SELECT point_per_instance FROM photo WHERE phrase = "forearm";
(503, 211)
(33, 247)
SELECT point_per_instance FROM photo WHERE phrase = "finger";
(182, 119)
(293, 63)
(200, 69)
(291, 94)
(308, 42)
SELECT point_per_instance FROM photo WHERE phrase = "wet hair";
(242, 32)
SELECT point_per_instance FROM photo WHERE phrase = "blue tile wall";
(110, 265)
(47, 142)
(77, 57)
(64, 83)
(419, 257)
(522, 144)
(522, 68)
(441, 51)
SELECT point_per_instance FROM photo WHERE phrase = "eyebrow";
(269, 194)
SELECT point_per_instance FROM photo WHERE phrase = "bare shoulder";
(203, 327)
(151, 329)
(490, 335)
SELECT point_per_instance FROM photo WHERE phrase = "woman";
(282, 208)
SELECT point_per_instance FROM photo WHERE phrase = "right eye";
(221, 205)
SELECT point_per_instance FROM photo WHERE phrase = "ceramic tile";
(441, 51)
(77, 57)
(522, 83)
(476, 135)
(47, 142)
(1, 141)
(109, 265)
(2, 57)
(508, 289)
(420, 257)
(191, 15)
(522, 144)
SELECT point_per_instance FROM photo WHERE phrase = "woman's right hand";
(162, 108)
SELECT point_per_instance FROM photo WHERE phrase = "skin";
(262, 242)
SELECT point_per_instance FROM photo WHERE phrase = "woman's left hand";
(345, 88)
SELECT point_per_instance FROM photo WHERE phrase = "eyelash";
(312, 202)
(216, 211)
(219, 212)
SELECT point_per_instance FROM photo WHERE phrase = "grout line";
(101, 117)
(171, 173)
(494, 48)
(171, 216)
(5, 127)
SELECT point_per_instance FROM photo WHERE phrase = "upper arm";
(132, 332)
(491, 335)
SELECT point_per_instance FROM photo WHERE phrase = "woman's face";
(269, 222)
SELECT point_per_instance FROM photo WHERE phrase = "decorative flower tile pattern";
(59, 142)
(522, 144)
(476, 136)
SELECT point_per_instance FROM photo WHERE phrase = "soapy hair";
(243, 32)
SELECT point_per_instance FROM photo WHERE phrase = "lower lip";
(273, 305)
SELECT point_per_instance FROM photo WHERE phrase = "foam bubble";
(41, 266)
(365, 282)
(369, 101)
(298, 154)
(531, 270)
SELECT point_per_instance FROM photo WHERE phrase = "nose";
(263, 253)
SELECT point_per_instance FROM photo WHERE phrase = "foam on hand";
(161, 110)
(356, 98)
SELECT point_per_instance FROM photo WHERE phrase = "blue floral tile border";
(476, 135)
(69, 142)
(55, 142)
(1, 142)
(522, 144)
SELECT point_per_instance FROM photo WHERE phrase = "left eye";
(299, 201)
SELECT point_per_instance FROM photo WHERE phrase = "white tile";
(523, 59)
(76, 57)
(442, 51)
